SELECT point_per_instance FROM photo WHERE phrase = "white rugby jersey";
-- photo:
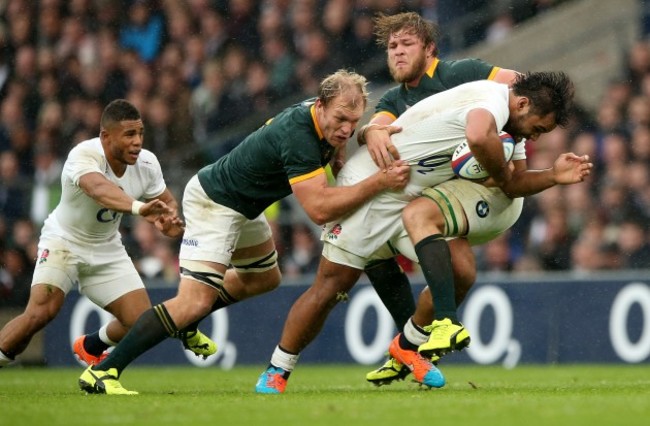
(78, 217)
(431, 130)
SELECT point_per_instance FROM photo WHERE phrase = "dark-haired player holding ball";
(410, 43)
(431, 130)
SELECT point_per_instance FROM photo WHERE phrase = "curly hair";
(549, 92)
(411, 22)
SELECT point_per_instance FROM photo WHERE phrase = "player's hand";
(338, 162)
(154, 208)
(397, 176)
(571, 168)
(491, 183)
(381, 149)
(171, 226)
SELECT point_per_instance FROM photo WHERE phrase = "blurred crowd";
(203, 71)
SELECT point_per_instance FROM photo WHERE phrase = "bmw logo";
(482, 209)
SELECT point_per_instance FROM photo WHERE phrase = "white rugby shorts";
(104, 272)
(213, 232)
(471, 210)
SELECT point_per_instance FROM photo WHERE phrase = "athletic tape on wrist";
(135, 207)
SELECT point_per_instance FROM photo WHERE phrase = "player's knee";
(256, 283)
(264, 286)
(198, 308)
(420, 210)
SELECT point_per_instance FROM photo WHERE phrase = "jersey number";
(429, 164)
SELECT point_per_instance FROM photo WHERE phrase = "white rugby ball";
(465, 165)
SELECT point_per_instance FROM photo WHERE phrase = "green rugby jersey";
(287, 149)
(440, 76)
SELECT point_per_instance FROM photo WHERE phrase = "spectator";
(13, 190)
(213, 32)
(15, 277)
(206, 100)
(304, 255)
(144, 31)
(242, 24)
(46, 191)
(363, 46)
(638, 63)
(632, 242)
(280, 60)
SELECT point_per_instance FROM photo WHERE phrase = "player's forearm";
(529, 182)
(336, 201)
(107, 194)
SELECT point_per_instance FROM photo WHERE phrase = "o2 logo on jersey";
(107, 216)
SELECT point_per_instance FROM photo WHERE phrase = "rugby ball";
(465, 165)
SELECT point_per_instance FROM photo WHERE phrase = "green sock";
(153, 326)
(435, 260)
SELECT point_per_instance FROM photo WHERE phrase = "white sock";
(104, 337)
(4, 359)
(285, 361)
(414, 334)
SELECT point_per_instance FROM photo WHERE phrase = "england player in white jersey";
(476, 112)
(432, 129)
(80, 244)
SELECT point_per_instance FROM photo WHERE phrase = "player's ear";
(523, 103)
(430, 50)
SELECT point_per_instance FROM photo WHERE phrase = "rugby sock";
(284, 360)
(153, 326)
(93, 344)
(5, 358)
(435, 260)
(103, 336)
(414, 334)
(394, 289)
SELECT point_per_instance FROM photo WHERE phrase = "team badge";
(333, 233)
(44, 255)
(482, 209)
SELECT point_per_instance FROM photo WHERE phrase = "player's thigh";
(362, 232)
(338, 271)
(128, 307)
(57, 264)
(110, 276)
(256, 269)
(216, 233)
(474, 211)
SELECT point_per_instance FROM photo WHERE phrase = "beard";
(414, 72)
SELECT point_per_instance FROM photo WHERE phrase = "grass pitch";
(329, 395)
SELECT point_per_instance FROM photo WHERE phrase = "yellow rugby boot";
(102, 382)
(446, 336)
(391, 371)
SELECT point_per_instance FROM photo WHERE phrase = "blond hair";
(343, 82)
